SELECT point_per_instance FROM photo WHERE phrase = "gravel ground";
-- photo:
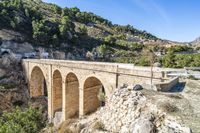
(183, 102)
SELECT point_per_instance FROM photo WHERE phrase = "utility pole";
(152, 58)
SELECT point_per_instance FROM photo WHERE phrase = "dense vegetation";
(47, 24)
(22, 121)
(180, 48)
(179, 56)
(181, 60)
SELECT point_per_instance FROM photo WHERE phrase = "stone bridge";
(73, 87)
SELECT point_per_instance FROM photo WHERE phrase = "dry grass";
(175, 96)
(169, 108)
(98, 126)
(70, 126)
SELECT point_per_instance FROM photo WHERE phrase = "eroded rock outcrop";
(13, 87)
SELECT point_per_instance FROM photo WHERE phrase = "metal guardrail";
(193, 68)
(184, 73)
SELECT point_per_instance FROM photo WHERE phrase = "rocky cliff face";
(13, 88)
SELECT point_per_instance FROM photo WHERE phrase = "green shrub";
(7, 86)
(3, 77)
(83, 29)
(180, 48)
(103, 50)
(144, 61)
(110, 39)
(181, 60)
(169, 59)
(98, 125)
(0, 41)
(22, 121)
(168, 107)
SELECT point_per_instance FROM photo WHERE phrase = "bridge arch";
(57, 92)
(38, 86)
(71, 95)
(93, 94)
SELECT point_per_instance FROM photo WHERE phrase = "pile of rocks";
(130, 111)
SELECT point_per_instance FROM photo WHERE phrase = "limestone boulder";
(143, 126)
(57, 119)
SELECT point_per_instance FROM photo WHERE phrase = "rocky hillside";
(49, 24)
(196, 42)
(71, 30)
(13, 87)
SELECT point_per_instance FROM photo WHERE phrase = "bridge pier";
(63, 100)
(81, 102)
(49, 102)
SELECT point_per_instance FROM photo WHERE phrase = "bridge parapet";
(156, 74)
(102, 66)
(98, 66)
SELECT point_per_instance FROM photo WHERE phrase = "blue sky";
(177, 20)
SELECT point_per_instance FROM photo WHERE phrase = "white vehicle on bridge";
(29, 55)
(33, 55)
(45, 55)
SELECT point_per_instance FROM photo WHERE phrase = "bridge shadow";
(178, 88)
